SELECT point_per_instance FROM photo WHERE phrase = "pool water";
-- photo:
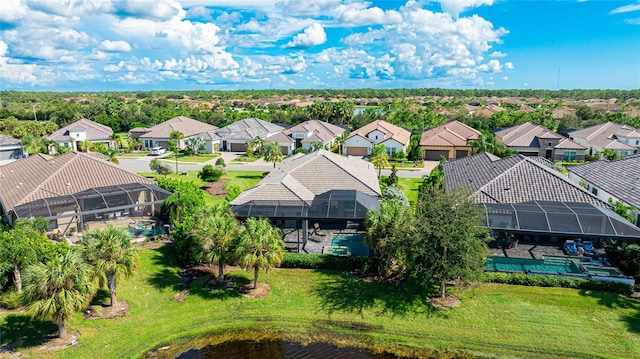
(556, 265)
(355, 242)
(136, 232)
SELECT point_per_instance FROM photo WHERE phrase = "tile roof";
(279, 137)
(303, 177)
(8, 141)
(527, 135)
(42, 176)
(248, 129)
(620, 178)
(189, 127)
(603, 135)
(390, 131)
(454, 133)
(95, 131)
(513, 180)
(321, 130)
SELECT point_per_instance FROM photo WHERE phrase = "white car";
(156, 151)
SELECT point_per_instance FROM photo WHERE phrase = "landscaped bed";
(306, 305)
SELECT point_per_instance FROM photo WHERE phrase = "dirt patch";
(107, 312)
(262, 291)
(52, 342)
(180, 296)
(448, 302)
(215, 188)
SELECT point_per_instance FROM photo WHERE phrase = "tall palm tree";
(58, 288)
(257, 144)
(34, 144)
(215, 230)
(273, 153)
(111, 256)
(380, 160)
(260, 246)
(176, 136)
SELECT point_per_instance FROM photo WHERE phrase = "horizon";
(224, 45)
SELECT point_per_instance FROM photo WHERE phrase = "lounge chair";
(588, 247)
(570, 248)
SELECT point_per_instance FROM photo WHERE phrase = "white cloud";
(625, 9)
(313, 8)
(492, 66)
(369, 16)
(12, 10)
(506, 78)
(497, 54)
(455, 7)
(508, 65)
(311, 36)
(162, 10)
(114, 46)
(635, 21)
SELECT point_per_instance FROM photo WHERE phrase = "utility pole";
(35, 117)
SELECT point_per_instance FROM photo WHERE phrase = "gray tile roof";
(248, 129)
(321, 130)
(42, 176)
(620, 178)
(527, 134)
(8, 141)
(95, 131)
(513, 180)
(303, 177)
(603, 135)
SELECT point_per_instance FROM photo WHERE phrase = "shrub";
(399, 156)
(233, 191)
(11, 300)
(556, 281)
(210, 174)
(323, 261)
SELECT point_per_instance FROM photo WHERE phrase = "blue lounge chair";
(570, 248)
(588, 247)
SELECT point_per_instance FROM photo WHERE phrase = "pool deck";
(316, 240)
(530, 251)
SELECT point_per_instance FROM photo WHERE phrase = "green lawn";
(493, 320)
(410, 187)
(184, 159)
(244, 159)
(136, 154)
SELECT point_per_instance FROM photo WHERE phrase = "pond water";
(278, 349)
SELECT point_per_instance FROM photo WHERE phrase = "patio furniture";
(342, 251)
(588, 247)
(570, 248)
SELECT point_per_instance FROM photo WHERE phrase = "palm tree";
(111, 255)
(260, 246)
(273, 153)
(113, 156)
(195, 143)
(215, 230)
(34, 144)
(177, 136)
(380, 160)
(257, 144)
(58, 288)
(315, 146)
(116, 140)
(85, 146)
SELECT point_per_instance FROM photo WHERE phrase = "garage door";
(462, 153)
(357, 151)
(238, 147)
(434, 155)
(284, 150)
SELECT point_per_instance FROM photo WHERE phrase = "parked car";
(156, 151)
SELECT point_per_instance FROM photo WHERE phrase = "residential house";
(306, 133)
(450, 141)
(612, 180)
(361, 141)
(136, 132)
(533, 140)
(235, 136)
(525, 197)
(11, 149)
(74, 190)
(160, 134)
(320, 188)
(80, 131)
(622, 139)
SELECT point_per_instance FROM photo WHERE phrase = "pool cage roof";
(564, 218)
(94, 200)
(335, 204)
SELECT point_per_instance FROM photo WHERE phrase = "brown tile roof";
(454, 133)
(527, 135)
(390, 131)
(514, 179)
(42, 176)
(95, 131)
(306, 176)
(189, 127)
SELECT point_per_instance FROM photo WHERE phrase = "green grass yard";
(494, 320)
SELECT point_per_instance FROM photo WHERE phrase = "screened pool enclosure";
(95, 204)
(569, 219)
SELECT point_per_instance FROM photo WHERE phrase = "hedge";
(556, 281)
(323, 261)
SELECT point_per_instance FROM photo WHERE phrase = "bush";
(233, 191)
(210, 174)
(10, 300)
(399, 156)
(532, 280)
(323, 261)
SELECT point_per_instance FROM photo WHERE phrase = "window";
(549, 143)
(637, 142)
(569, 155)
(391, 151)
(594, 191)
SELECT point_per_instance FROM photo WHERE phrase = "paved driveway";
(141, 164)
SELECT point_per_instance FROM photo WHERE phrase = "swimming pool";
(355, 242)
(506, 264)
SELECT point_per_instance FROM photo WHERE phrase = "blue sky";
(105, 45)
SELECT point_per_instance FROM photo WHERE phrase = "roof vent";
(507, 188)
(68, 184)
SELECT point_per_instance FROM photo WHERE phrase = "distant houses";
(235, 136)
(11, 149)
(305, 134)
(533, 140)
(622, 139)
(82, 130)
(160, 134)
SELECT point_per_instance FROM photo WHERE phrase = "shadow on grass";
(344, 292)
(164, 257)
(206, 288)
(21, 331)
(630, 306)
(257, 176)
